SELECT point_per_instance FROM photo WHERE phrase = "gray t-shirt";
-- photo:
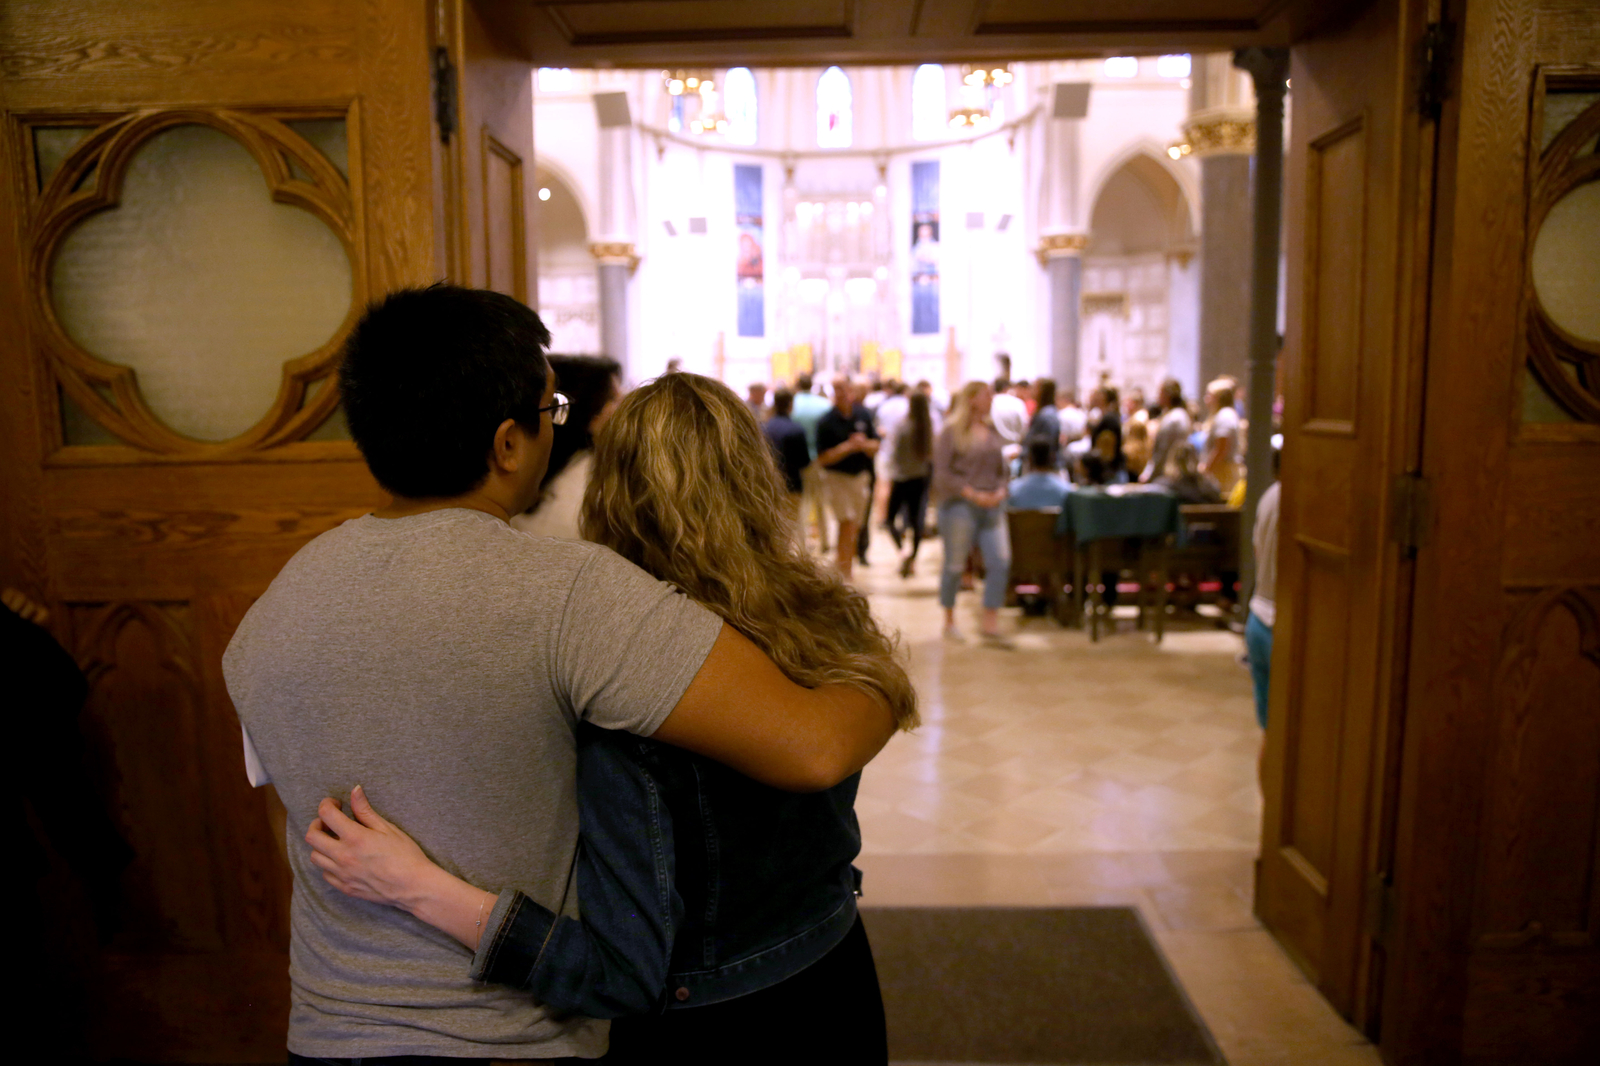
(442, 662)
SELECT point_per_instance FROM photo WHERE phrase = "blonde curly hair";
(685, 487)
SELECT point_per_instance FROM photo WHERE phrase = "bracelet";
(482, 901)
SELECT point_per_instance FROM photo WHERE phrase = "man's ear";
(506, 453)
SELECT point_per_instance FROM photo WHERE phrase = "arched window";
(929, 120)
(739, 103)
(835, 110)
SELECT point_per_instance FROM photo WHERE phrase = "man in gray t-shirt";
(442, 660)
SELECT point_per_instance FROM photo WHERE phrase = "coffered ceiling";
(580, 33)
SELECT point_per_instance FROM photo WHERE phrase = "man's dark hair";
(803, 383)
(1112, 396)
(782, 403)
(1039, 457)
(427, 377)
(1000, 385)
(1044, 392)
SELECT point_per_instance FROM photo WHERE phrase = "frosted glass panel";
(1538, 406)
(1559, 111)
(328, 135)
(52, 145)
(1566, 262)
(201, 283)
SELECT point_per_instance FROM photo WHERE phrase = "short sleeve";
(629, 645)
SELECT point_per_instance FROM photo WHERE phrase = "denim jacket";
(695, 883)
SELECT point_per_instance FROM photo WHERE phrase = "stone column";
(616, 262)
(1063, 262)
(614, 250)
(1269, 69)
(1220, 132)
(1062, 237)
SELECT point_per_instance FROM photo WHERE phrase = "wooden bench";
(1039, 557)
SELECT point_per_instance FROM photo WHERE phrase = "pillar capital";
(1220, 131)
(615, 253)
(1061, 245)
(1267, 67)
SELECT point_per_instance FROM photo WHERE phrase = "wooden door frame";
(1351, 930)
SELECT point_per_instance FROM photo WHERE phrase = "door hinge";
(1411, 512)
(444, 93)
(1436, 51)
(1380, 909)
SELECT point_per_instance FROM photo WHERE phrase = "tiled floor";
(1068, 773)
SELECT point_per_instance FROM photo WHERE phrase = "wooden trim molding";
(90, 181)
(1566, 365)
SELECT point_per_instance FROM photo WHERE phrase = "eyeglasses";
(558, 410)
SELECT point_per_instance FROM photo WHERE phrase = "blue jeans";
(960, 523)
(1258, 644)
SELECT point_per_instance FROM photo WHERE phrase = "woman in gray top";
(969, 488)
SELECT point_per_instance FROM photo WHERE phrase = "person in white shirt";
(1074, 419)
(1220, 456)
(1009, 416)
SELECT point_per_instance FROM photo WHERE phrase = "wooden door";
(1497, 933)
(1356, 207)
(489, 158)
(199, 199)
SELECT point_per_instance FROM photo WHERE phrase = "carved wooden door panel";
(1354, 192)
(1498, 928)
(198, 200)
(488, 209)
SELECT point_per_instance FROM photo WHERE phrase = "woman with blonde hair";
(969, 489)
(718, 919)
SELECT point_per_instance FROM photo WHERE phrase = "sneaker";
(998, 640)
(953, 635)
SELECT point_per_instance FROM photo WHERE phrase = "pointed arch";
(929, 106)
(835, 109)
(1151, 152)
(1142, 175)
(739, 103)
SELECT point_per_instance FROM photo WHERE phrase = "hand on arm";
(743, 712)
(840, 451)
(370, 858)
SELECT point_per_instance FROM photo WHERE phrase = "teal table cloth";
(1093, 514)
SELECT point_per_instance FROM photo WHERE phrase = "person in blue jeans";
(718, 915)
(1263, 602)
(969, 489)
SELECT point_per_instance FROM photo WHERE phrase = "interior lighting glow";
(1173, 66)
(1122, 67)
(544, 194)
(555, 79)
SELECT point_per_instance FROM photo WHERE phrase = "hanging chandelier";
(695, 92)
(965, 118)
(986, 77)
(978, 85)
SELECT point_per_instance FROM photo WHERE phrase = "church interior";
(1358, 241)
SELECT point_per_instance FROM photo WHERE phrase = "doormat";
(1058, 986)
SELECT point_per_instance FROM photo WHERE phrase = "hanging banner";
(747, 220)
(925, 247)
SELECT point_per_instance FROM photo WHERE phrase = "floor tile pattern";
(1064, 772)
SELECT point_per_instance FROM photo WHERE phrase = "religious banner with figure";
(925, 247)
(747, 220)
